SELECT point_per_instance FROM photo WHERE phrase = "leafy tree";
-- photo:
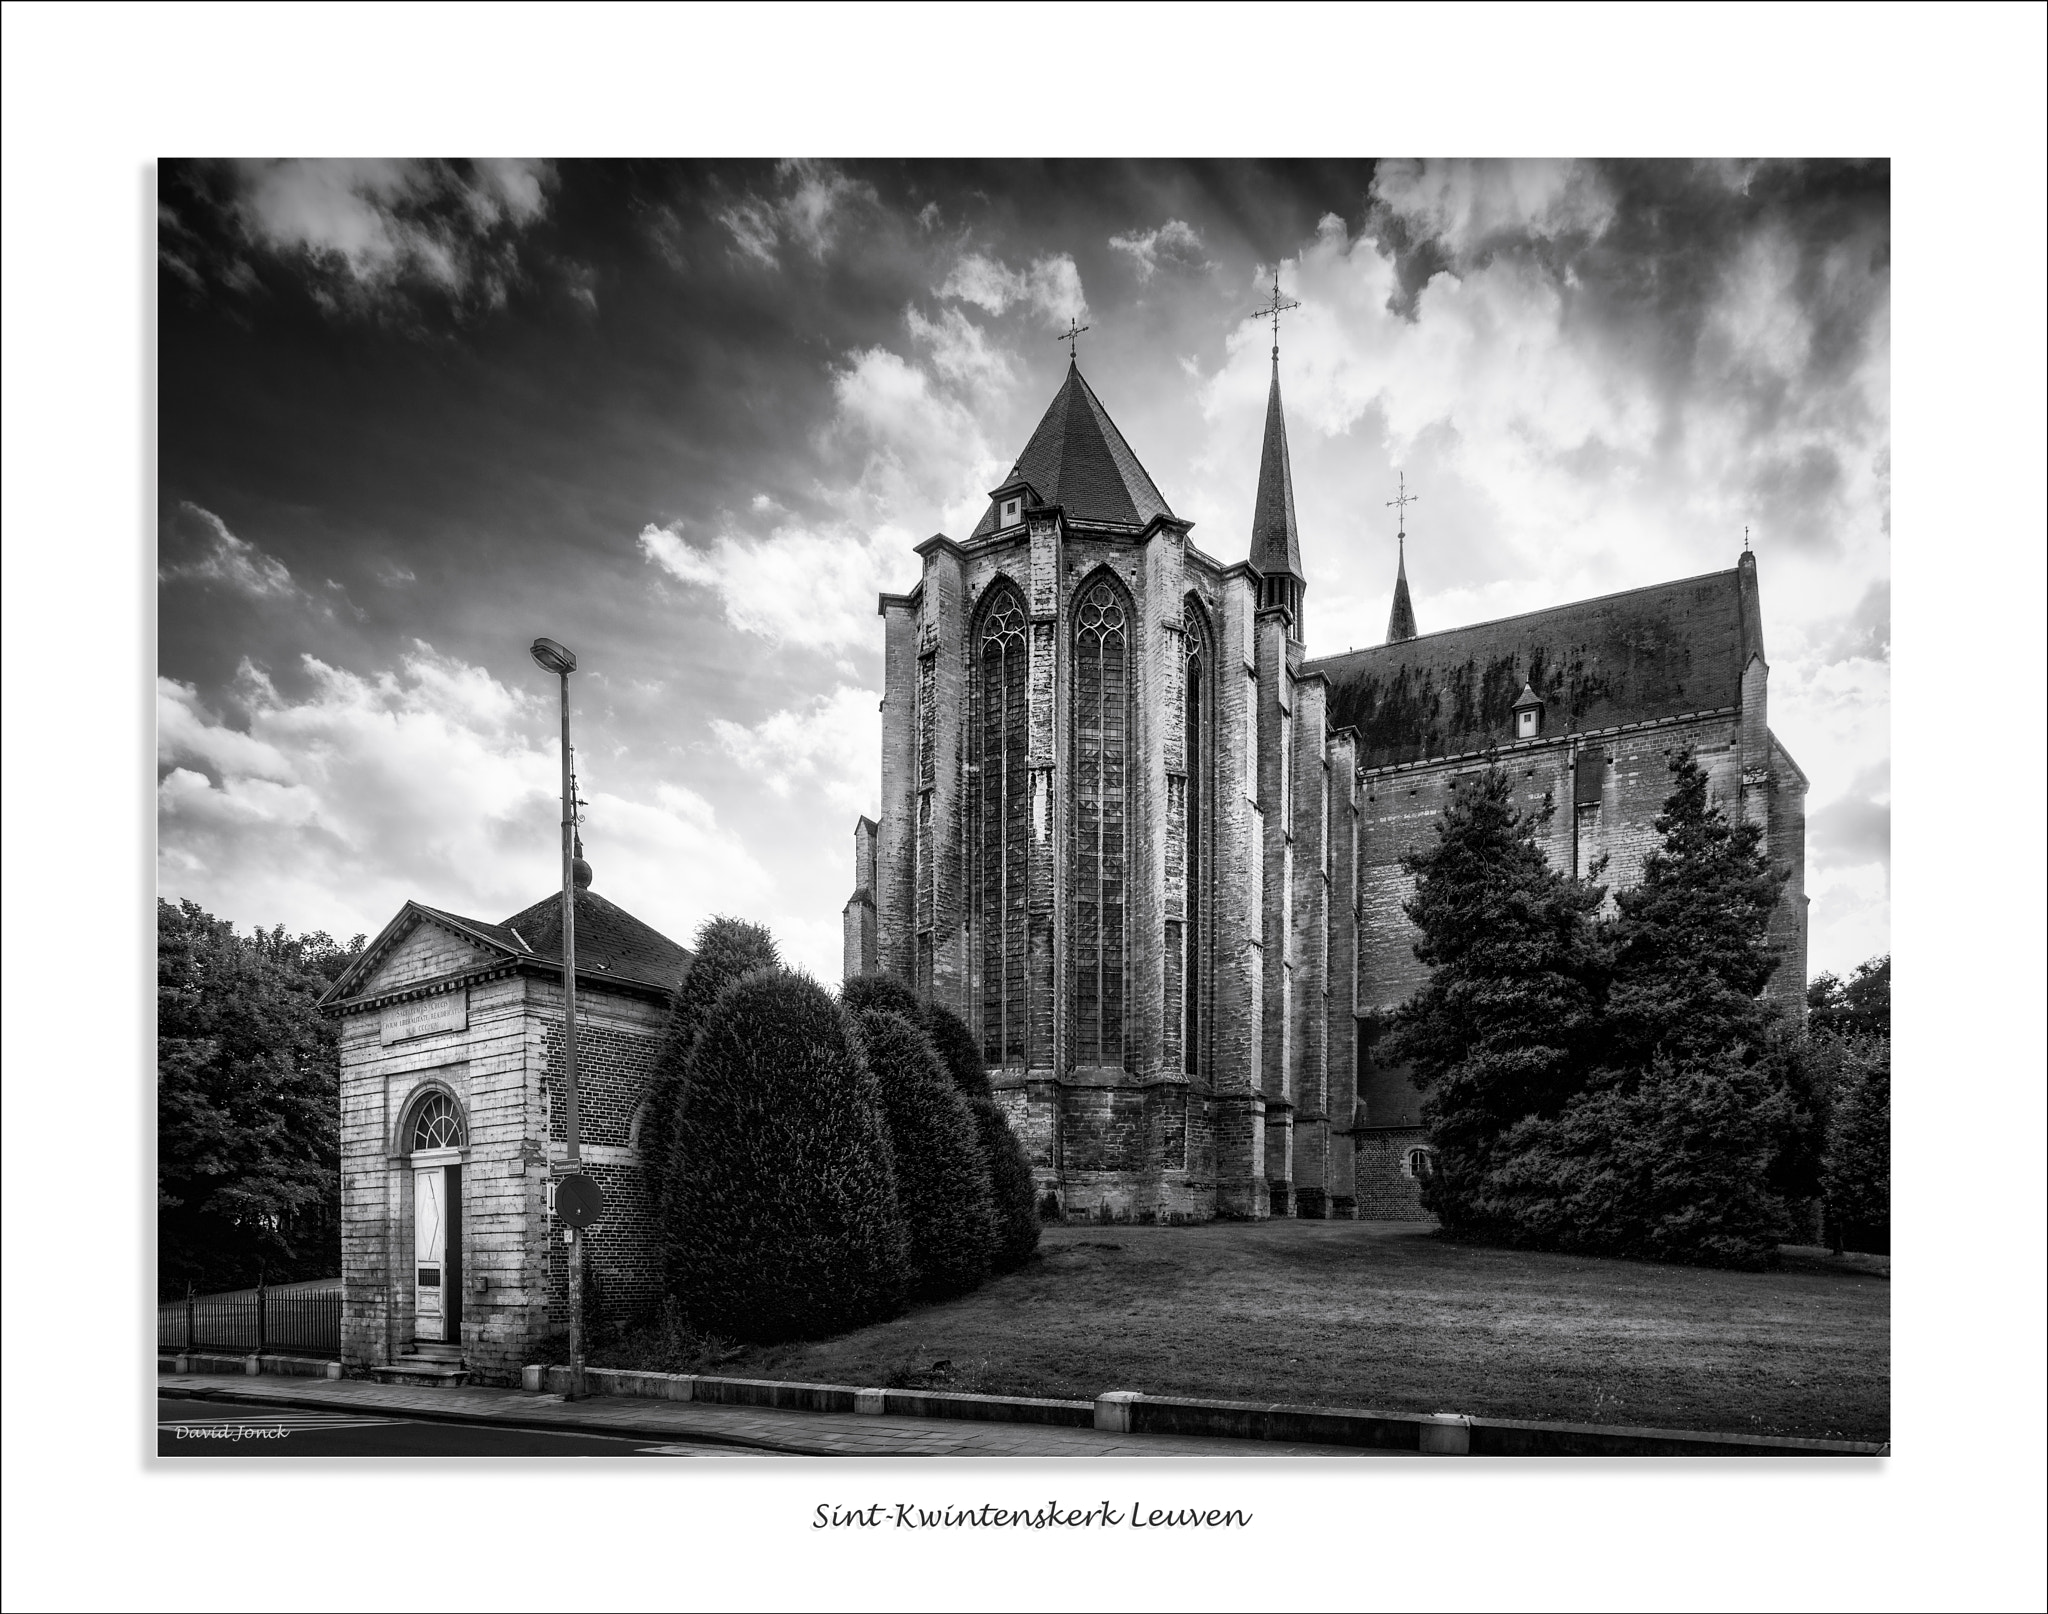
(1859, 1007)
(1856, 1176)
(1690, 953)
(248, 1099)
(781, 1218)
(1511, 1010)
(942, 1175)
(725, 950)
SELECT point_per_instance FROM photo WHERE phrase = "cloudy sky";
(690, 418)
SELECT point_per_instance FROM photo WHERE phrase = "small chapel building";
(453, 1130)
(1148, 845)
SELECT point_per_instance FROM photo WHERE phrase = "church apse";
(1149, 847)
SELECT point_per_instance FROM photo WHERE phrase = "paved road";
(698, 1428)
(201, 1428)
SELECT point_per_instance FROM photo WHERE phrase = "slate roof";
(609, 940)
(1625, 658)
(1276, 546)
(1077, 459)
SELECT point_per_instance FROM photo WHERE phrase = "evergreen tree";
(1010, 1185)
(942, 1173)
(725, 950)
(1856, 1175)
(1671, 1165)
(785, 1224)
(248, 1104)
(1689, 945)
(1505, 1023)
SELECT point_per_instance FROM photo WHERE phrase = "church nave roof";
(1078, 460)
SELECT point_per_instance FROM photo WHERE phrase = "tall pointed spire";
(1276, 544)
(1401, 620)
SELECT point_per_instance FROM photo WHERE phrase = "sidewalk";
(796, 1434)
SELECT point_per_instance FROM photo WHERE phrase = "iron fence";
(291, 1322)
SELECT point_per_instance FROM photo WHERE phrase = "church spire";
(1401, 620)
(1276, 545)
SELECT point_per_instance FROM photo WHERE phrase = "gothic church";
(1148, 846)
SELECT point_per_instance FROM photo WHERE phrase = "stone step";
(435, 1350)
(426, 1372)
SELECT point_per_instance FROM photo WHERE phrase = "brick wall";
(1386, 1192)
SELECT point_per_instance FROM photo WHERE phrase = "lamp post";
(561, 661)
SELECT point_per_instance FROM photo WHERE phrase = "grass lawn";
(1387, 1316)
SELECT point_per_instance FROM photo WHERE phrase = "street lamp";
(561, 661)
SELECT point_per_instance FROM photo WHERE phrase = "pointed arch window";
(1196, 715)
(1101, 730)
(1001, 809)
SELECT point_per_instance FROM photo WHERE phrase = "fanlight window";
(437, 1126)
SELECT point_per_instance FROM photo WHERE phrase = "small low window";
(1418, 1163)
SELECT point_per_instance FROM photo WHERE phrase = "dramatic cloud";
(206, 552)
(1596, 375)
(368, 232)
(814, 589)
(1174, 246)
(812, 202)
(832, 745)
(1051, 286)
(431, 780)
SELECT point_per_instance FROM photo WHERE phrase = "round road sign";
(578, 1201)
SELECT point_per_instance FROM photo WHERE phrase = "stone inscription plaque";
(422, 1017)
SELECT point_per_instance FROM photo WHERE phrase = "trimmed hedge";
(942, 1175)
(882, 994)
(725, 950)
(782, 1219)
(1009, 1178)
(959, 1050)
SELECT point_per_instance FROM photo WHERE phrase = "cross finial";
(1072, 336)
(1745, 537)
(1401, 503)
(1273, 310)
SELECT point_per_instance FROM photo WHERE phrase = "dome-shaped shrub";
(942, 1175)
(785, 1223)
(1009, 1179)
(725, 950)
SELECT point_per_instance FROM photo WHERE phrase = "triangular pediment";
(419, 945)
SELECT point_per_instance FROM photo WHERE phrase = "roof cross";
(1072, 337)
(1273, 310)
(1402, 502)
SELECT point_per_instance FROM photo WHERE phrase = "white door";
(430, 1252)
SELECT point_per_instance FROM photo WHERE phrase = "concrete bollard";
(181, 1364)
(1447, 1434)
(1113, 1411)
(253, 1366)
(872, 1403)
(532, 1375)
(334, 1370)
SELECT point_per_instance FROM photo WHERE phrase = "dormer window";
(1012, 511)
(1528, 714)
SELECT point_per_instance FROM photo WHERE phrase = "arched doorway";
(436, 1158)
